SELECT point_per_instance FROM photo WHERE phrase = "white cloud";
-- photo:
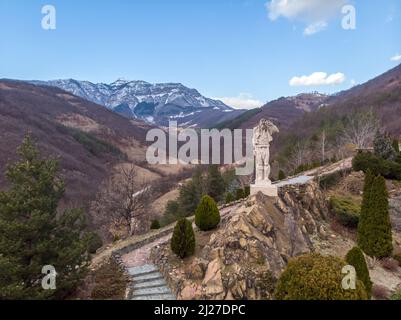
(396, 58)
(315, 13)
(315, 28)
(243, 101)
(318, 79)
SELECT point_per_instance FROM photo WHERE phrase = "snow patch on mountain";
(152, 103)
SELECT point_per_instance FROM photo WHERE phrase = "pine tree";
(396, 145)
(356, 259)
(383, 147)
(374, 229)
(281, 175)
(247, 191)
(240, 194)
(189, 198)
(33, 234)
(191, 194)
(364, 218)
(229, 198)
(207, 215)
(183, 240)
(155, 225)
(215, 183)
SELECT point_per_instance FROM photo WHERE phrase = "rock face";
(245, 256)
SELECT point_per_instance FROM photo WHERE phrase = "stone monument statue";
(262, 137)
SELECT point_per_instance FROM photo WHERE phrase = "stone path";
(148, 284)
(140, 256)
(311, 174)
(293, 181)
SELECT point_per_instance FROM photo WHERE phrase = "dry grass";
(159, 205)
(380, 292)
(110, 282)
(80, 122)
(343, 231)
(390, 264)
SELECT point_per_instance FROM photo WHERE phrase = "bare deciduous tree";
(360, 129)
(300, 155)
(123, 198)
(323, 143)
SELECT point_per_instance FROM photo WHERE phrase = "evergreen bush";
(95, 243)
(281, 175)
(207, 215)
(356, 259)
(374, 229)
(240, 194)
(314, 277)
(155, 225)
(229, 198)
(377, 165)
(183, 240)
(346, 211)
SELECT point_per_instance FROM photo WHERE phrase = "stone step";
(150, 284)
(162, 297)
(151, 291)
(147, 277)
(142, 270)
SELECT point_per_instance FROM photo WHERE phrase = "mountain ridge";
(87, 138)
(156, 103)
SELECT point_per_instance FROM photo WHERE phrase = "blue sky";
(245, 51)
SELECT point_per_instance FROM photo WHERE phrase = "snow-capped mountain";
(153, 103)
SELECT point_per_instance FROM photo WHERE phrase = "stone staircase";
(148, 284)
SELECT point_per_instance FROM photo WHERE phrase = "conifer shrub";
(384, 147)
(216, 186)
(356, 259)
(396, 146)
(377, 165)
(183, 240)
(330, 180)
(155, 225)
(346, 211)
(247, 191)
(207, 215)
(240, 194)
(281, 175)
(314, 277)
(95, 243)
(229, 198)
(374, 229)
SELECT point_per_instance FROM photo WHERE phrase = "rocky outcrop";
(244, 257)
